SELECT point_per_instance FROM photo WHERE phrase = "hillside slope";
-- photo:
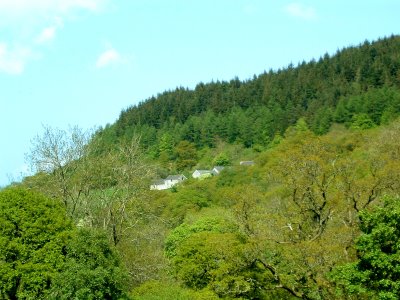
(362, 80)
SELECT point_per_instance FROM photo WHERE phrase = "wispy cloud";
(301, 11)
(49, 33)
(13, 59)
(46, 35)
(37, 22)
(109, 57)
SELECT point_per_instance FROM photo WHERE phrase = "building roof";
(203, 171)
(219, 168)
(158, 182)
(247, 163)
(176, 177)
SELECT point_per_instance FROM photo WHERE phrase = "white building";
(217, 170)
(201, 173)
(171, 180)
(167, 183)
(158, 185)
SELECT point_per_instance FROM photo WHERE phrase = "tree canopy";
(42, 255)
(376, 272)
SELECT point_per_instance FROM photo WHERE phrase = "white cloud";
(12, 61)
(46, 35)
(301, 11)
(109, 57)
(49, 32)
(32, 23)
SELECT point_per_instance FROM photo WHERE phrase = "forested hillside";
(315, 215)
(356, 86)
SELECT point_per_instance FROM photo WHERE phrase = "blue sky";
(80, 62)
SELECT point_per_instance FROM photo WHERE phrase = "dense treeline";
(356, 85)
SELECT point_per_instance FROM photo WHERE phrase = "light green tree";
(96, 187)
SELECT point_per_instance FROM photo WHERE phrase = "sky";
(80, 62)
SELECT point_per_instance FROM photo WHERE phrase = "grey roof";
(158, 182)
(176, 177)
(247, 163)
(203, 171)
(219, 168)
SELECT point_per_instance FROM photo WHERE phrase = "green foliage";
(356, 80)
(342, 114)
(182, 232)
(165, 148)
(186, 155)
(43, 257)
(92, 184)
(322, 121)
(221, 160)
(34, 231)
(154, 290)
(376, 272)
(301, 125)
(275, 141)
(361, 121)
(211, 254)
(91, 269)
(375, 106)
(204, 257)
(189, 198)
